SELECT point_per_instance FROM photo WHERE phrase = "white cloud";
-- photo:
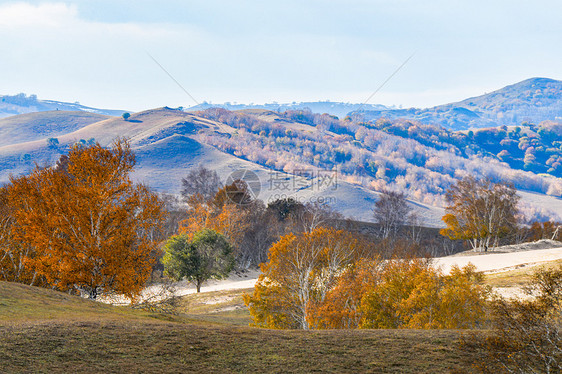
(47, 15)
(94, 51)
(65, 19)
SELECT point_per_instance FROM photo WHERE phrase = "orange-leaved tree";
(341, 308)
(92, 229)
(15, 256)
(300, 272)
(227, 213)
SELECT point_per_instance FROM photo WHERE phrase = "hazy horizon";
(95, 52)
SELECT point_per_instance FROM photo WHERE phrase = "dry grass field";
(47, 331)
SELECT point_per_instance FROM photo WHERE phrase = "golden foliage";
(300, 271)
(480, 211)
(228, 218)
(341, 308)
(413, 294)
(91, 228)
(318, 280)
(15, 255)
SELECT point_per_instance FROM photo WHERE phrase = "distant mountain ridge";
(11, 105)
(338, 109)
(532, 100)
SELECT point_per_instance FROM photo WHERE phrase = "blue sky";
(95, 51)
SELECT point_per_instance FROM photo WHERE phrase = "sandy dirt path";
(500, 261)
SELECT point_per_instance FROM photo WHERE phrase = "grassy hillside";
(20, 303)
(46, 331)
(41, 125)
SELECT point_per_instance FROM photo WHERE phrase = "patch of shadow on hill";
(180, 128)
(165, 153)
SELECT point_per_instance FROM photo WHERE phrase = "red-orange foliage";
(15, 255)
(341, 309)
(221, 215)
(90, 226)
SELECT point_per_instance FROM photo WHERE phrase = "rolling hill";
(11, 105)
(40, 125)
(48, 331)
(296, 153)
(168, 143)
(532, 100)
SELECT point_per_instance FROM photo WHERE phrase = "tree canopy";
(208, 255)
(90, 228)
(480, 211)
(301, 270)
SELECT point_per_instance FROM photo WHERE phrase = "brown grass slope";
(40, 125)
(47, 331)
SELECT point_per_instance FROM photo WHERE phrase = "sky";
(97, 52)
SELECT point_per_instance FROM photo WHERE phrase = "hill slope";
(535, 148)
(41, 125)
(532, 100)
(11, 105)
(22, 303)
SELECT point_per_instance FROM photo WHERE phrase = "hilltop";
(11, 105)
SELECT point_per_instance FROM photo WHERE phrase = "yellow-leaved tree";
(91, 228)
(413, 294)
(297, 291)
(480, 212)
(301, 270)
